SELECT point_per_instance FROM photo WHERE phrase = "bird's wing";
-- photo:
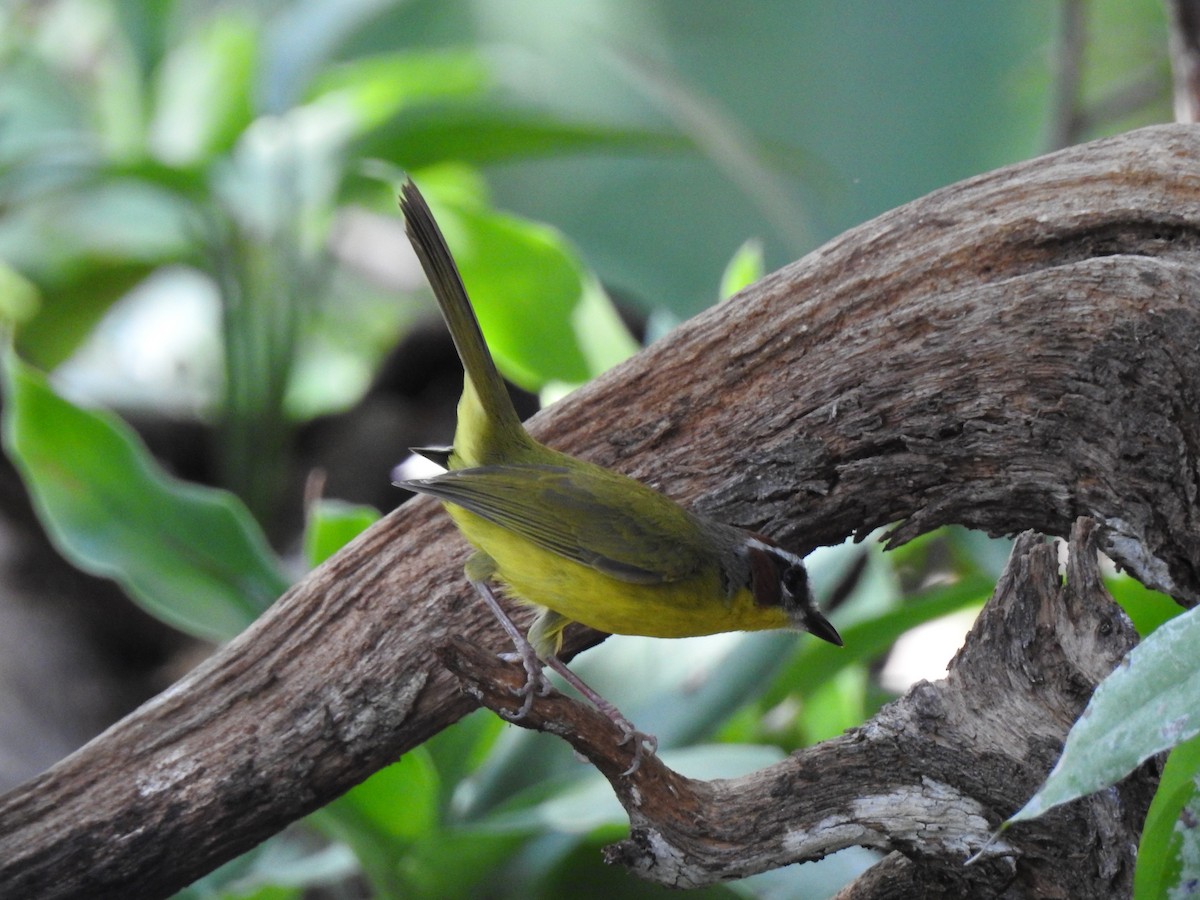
(590, 515)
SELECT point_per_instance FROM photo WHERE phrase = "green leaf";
(601, 334)
(331, 525)
(495, 133)
(1147, 609)
(465, 862)
(379, 818)
(203, 90)
(72, 304)
(190, 555)
(18, 296)
(1169, 852)
(397, 803)
(87, 245)
(836, 705)
(459, 751)
(745, 268)
(376, 88)
(1147, 705)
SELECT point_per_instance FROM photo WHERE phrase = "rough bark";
(1008, 353)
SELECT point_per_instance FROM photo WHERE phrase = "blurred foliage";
(200, 197)
(193, 556)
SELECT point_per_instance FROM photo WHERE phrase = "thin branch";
(1066, 114)
(1184, 16)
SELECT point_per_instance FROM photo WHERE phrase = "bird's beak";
(819, 626)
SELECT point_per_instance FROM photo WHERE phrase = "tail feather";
(498, 421)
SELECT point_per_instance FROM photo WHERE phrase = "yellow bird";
(577, 541)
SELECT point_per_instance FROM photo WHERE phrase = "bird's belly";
(683, 608)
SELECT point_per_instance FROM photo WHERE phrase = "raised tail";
(488, 425)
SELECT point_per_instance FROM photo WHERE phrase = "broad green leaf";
(331, 525)
(72, 304)
(603, 338)
(87, 245)
(745, 268)
(1147, 705)
(459, 751)
(381, 817)
(838, 704)
(192, 556)
(464, 862)
(1147, 609)
(1169, 851)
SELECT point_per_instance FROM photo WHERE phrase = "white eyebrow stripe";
(774, 550)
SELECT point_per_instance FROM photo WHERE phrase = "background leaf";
(744, 268)
(1169, 852)
(331, 524)
(191, 555)
(18, 296)
(377, 88)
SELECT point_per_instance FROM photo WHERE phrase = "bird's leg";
(546, 634)
(641, 740)
(550, 624)
(535, 678)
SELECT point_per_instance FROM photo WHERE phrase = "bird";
(579, 542)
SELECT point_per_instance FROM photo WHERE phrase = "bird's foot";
(644, 745)
(536, 683)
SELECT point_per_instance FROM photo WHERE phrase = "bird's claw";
(536, 685)
(643, 745)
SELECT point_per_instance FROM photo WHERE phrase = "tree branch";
(1010, 352)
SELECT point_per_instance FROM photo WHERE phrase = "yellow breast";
(684, 608)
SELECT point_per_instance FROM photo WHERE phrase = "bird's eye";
(795, 581)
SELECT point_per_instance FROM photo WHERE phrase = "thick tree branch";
(1010, 352)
